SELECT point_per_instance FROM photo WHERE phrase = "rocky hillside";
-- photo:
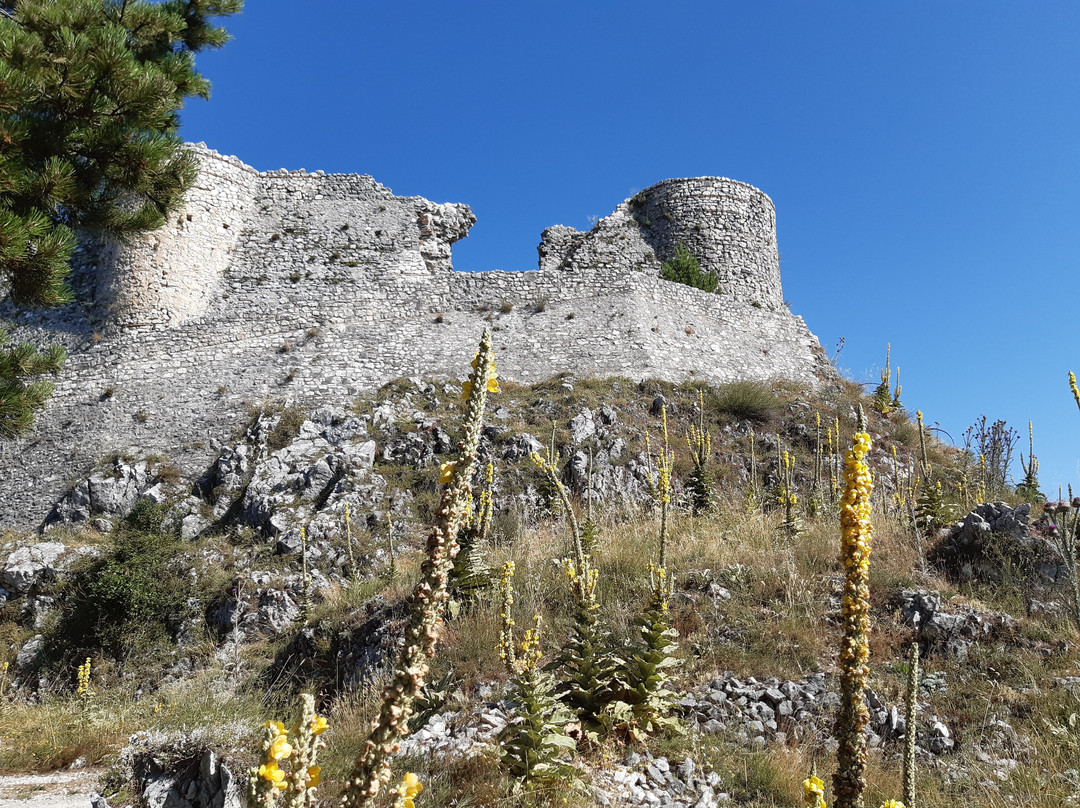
(285, 567)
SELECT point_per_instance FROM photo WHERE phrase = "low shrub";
(127, 601)
(684, 268)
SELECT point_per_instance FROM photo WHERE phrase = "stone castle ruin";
(313, 287)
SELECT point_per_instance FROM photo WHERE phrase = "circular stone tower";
(729, 226)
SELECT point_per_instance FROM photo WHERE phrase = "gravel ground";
(66, 789)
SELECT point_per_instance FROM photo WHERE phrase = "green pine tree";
(20, 392)
(89, 131)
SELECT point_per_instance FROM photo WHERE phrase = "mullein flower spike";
(83, 679)
(548, 467)
(1074, 388)
(856, 528)
(297, 749)
(910, 706)
(507, 653)
(372, 767)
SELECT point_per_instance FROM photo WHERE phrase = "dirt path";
(64, 789)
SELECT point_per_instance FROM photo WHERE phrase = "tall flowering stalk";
(752, 496)
(661, 490)
(849, 780)
(547, 466)
(354, 572)
(507, 652)
(911, 704)
(699, 442)
(305, 578)
(786, 495)
(1029, 488)
(1066, 531)
(83, 689)
(372, 767)
(883, 399)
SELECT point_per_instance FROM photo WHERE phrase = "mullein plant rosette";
(533, 743)
(584, 659)
(372, 767)
(586, 662)
(472, 574)
(644, 700)
(849, 781)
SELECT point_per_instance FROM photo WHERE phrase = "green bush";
(128, 601)
(684, 268)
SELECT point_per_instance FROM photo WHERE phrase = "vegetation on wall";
(684, 268)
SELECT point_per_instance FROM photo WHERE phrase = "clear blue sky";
(924, 157)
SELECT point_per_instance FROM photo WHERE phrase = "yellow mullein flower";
(849, 781)
(407, 791)
(446, 472)
(271, 773)
(314, 774)
(319, 725)
(280, 748)
(892, 804)
(814, 792)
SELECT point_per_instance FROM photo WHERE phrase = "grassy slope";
(780, 621)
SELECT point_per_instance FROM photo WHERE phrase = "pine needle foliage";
(89, 123)
(22, 392)
(90, 139)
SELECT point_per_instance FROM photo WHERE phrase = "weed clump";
(747, 401)
(286, 429)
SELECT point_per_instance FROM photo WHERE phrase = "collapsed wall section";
(728, 226)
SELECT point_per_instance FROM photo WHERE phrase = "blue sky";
(923, 156)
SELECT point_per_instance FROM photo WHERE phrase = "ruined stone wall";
(326, 286)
